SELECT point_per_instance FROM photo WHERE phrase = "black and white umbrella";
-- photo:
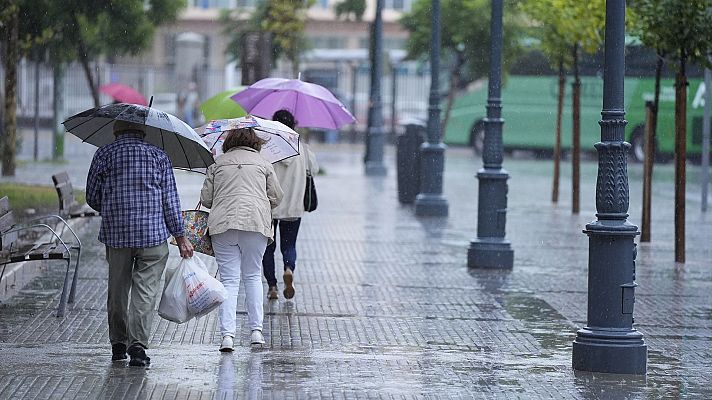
(184, 147)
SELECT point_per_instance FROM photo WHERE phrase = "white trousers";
(239, 255)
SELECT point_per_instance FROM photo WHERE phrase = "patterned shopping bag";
(196, 231)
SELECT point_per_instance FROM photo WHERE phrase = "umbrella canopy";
(312, 105)
(221, 106)
(182, 144)
(282, 142)
(123, 93)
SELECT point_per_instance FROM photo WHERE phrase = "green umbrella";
(221, 106)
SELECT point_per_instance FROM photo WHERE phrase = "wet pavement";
(386, 306)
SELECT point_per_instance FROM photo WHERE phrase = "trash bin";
(408, 161)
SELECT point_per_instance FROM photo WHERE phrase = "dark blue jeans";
(287, 237)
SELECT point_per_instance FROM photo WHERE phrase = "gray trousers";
(134, 283)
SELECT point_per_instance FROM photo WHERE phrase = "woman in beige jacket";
(292, 176)
(241, 190)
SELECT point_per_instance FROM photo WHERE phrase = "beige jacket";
(241, 190)
(292, 176)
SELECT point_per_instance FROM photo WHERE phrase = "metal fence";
(350, 83)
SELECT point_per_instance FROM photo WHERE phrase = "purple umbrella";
(312, 105)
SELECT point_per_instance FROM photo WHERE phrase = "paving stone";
(386, 307)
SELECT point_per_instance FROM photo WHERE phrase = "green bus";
(529, 110)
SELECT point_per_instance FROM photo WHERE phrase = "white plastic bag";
(190, 291)
(204, 292)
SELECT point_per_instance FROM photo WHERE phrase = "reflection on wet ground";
(386, 307)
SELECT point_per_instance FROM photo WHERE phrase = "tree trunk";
(454, 85)
(647, 173)
(58, 111)
(656, 100)
(36, 145)
(576, 139)
(557, 143)
(84, 60)
(12, 56)
(680, 156)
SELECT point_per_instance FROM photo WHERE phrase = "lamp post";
(609, 343)
(375, 132)
(430, 200)
(490, 249)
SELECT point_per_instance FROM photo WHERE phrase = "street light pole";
(609, 343)
(491, 249)
(375, 134)
(430, 201)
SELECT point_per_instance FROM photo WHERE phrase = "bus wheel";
(637, 143)
(477, 137)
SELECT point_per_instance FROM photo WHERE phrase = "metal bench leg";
(3, 271)
(75, 278)
(63, 297)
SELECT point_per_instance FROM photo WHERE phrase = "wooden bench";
(14, 250)
(69, 207)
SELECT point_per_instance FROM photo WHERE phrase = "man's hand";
(185, 247)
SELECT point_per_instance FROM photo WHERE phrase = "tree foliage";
(679, 29)
(284, 20)
(465, 25)
(85, 30)
(347, 8)
(548, 21)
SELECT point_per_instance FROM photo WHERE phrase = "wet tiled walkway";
(387, 308)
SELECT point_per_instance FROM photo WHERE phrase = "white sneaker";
(227, 344)
(257, 337)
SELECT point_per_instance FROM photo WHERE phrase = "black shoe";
(118, 352)
(138, 356)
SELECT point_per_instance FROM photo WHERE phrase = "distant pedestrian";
(292, 176)
(131, 183)
(241, 190)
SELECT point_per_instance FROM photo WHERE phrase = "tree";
(582, 23)
(348, 7)
(683, 31)
(10, 27)
(644, 15)
(555, 46)
(87, 29)
(284, 20)
(22, 28)
(465, 35)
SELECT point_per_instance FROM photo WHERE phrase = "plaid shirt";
(131, 183)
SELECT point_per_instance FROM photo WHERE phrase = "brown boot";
(272, 293)
(288, 283)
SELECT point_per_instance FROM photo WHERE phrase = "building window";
(327, 42)
(211, 3)
(247, 3)
(398, 5)
(169, 48)
(206, 50)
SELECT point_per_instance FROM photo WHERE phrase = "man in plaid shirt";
(131, 183)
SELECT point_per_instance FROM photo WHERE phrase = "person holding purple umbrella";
(287, 216)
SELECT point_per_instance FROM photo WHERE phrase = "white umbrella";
(282, 141)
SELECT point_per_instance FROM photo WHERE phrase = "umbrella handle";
(150, 102)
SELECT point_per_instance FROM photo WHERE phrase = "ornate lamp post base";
(609, 343)
(491, 249)
(430, 205)
(431, 202)
(614, 352)
(490, 253)
(375, 169)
